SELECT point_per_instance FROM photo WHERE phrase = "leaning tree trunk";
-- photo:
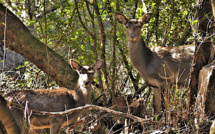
(19, 39)
(202, 85)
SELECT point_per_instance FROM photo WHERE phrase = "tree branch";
(79, 16)
(183, 38)
(84, 108)
(103, 41)
(170, 24)
(134, 81)
(135, 9)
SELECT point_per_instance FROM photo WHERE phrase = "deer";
(54, 100)
(160, 67)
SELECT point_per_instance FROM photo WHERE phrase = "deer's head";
(133, 26)
(85, 72)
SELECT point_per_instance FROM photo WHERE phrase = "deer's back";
(44, 100)
(177, 54)
(170, 64)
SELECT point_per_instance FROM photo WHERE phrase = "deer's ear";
(98, 64)
(121, 18)
(146, 18)
(75, 65)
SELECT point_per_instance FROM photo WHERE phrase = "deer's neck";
(83, 95)
(140, 55)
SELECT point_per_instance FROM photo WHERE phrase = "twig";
(5, 28)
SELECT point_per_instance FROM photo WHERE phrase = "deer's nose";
(87, 82)
(132, 35)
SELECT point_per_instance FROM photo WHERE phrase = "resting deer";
(55, 100)
(160, 67)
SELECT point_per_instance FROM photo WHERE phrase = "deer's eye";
(139, 25)
(91, 71)
(126, 26)
(83, 71)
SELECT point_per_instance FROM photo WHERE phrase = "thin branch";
(141, 89)
(134, 81)
(79, 16)
(5, 28)
(103, 42)
(90, 13)
(46, 40)
(155, 26)
(135, 9)
(170, 24)
(94, 30)
(114, 25)
(183, 38)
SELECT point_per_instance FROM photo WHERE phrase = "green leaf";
(194, 22)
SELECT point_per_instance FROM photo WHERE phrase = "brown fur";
(160, 67)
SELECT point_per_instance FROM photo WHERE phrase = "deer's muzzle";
(132, 39)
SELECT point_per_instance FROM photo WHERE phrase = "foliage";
(74, 30)
(33, 78)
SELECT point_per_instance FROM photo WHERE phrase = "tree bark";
(19, 39)
(206, 90)
(204, 55)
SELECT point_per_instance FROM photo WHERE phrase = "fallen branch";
(89, 107)
(103, 109)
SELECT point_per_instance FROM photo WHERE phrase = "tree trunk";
(103, 43)
(202, 75)
(19, 39)
(206, 90)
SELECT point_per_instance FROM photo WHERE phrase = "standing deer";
(160, 67)
(55, 100)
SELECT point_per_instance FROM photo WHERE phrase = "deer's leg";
(20, 120)
(55, 124)
(156, 100)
